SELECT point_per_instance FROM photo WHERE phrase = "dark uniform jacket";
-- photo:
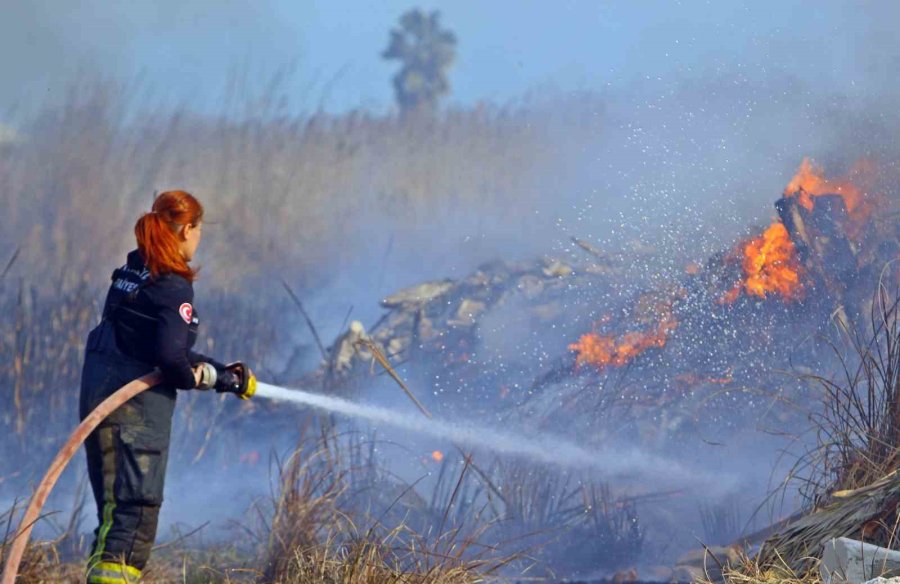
(153, 321)
(147, 323)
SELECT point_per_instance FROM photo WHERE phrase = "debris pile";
(515, 329)
(440, 325)
(866, 514)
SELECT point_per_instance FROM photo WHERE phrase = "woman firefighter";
(149, 322)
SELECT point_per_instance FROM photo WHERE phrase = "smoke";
(169, 47)
(685, 161)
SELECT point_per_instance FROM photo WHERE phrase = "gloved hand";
(238, 379)
(205, 376)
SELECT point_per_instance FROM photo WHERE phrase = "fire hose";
(243, 387)
(32, 513)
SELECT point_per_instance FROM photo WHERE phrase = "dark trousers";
(127, 509)
(126, 456)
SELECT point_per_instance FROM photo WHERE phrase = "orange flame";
(809, 183)
(770, 266)
(769, 262)
(602, 351)
(437, 456)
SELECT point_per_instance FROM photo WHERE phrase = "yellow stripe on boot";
(113, 573)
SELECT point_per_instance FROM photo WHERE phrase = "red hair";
(156, 233)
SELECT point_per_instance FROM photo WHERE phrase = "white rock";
(849, 560)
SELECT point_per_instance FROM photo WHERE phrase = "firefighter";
(149, 322)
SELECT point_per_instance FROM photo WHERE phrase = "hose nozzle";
(237, 379)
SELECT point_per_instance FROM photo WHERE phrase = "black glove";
(236, 378)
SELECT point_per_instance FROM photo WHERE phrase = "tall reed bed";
(293, 195)
(296, 196)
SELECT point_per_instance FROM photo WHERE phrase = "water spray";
(545, 449)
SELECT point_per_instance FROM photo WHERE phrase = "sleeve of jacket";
(172, 331)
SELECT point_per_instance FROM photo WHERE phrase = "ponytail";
(156, 233)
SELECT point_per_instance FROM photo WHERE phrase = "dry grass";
(750, 572)
(320, 533)
(570, 523)
(859, 431)
(50, 560)
(294, 191)
(365, 562)
(721, 521)
(848, 478)
(310, 532)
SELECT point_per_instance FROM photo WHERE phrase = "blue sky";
(185, 50)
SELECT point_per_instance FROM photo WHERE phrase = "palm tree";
(426, 52)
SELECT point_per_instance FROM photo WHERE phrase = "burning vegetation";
(603, 350)
(770, 263)
(770, 267)
(810, 183)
